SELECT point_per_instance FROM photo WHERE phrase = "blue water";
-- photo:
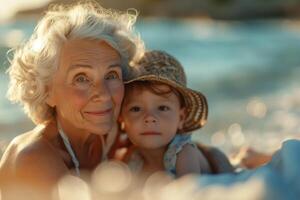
(230, 62)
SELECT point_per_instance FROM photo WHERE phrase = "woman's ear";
(182, 115)
(50, 96)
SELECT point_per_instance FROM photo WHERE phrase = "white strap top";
(105, 145)
(69, 148)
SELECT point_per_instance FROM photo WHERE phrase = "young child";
(158, 114)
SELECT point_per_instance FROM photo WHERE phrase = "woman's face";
(87, 89)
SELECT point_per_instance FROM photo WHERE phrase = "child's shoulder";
(212, 159)
(190, 151)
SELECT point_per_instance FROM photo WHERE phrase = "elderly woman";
(69, 79)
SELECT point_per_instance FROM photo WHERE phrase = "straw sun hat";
(161, 67)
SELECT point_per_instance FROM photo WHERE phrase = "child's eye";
(163, 108)
(112, 75)
(135, 109)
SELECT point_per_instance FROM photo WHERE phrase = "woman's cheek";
(117, 91)
(79, 98)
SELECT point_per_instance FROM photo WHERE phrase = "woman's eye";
(163, 108)
(135, 109)
(112, 75)
(82, 79)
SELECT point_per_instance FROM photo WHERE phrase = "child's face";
(151, 121)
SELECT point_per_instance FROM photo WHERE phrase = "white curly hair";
(35, 62)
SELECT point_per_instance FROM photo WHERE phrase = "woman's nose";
(100, 92)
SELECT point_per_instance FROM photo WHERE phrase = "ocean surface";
(249, 72)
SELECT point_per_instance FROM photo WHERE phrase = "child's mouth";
(150, 133)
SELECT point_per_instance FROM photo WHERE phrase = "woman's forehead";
(84, 50)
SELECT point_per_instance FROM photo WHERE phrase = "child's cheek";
(170, 116)
(132, 118)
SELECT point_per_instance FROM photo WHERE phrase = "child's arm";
(189, 160)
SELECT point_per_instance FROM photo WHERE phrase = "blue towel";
(277, 180)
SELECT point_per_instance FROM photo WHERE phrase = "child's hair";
(151, 86)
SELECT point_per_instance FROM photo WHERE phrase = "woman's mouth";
(100, 112)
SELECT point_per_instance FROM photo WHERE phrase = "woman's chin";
(100, 129)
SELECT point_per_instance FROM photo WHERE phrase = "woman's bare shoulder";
(30, 155)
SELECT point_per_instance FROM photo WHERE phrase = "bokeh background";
(242, 54)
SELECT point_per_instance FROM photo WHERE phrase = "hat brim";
(195, 102)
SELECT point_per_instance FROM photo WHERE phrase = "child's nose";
(149, 118)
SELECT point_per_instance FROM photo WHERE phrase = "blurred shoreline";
(231, 10)
(215, 9)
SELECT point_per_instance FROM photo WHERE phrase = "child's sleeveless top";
(217, 160)
(136, 161)
(174, 148)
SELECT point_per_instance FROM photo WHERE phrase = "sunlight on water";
(14, 38)
(257, 108)
(236, 135)
(218, 138)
